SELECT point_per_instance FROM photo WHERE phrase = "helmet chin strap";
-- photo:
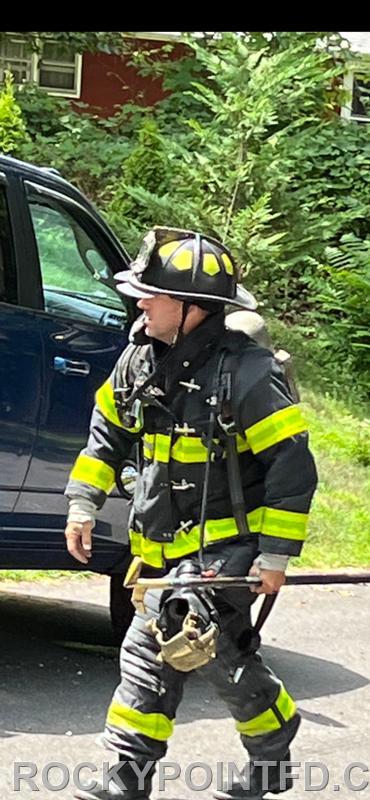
(179, 335)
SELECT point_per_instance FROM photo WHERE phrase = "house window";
(357, 107)
(361, 97)
(15, 58)
(56, 69)
(59, 70)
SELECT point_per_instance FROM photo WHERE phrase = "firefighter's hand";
(78, 537)
(272, 580)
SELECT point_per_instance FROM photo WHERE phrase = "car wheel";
(121, 608)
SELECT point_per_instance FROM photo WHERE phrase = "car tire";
(121, 608)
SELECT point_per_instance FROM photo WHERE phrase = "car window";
(75, 274)
(8, 275)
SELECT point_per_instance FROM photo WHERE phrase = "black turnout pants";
(142, 713)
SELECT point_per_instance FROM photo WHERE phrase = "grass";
(18, 575)
(339, 533)
(334, 400)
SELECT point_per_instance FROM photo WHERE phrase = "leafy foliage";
(78, 41)
(84, 147)
(257, 154)
(247, 145)
(12, 127)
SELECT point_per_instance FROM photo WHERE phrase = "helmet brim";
(244, 299)
(132, 291)
(131, 286)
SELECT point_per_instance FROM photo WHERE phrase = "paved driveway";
(58, 669)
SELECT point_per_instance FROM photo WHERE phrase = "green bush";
(81, 145)
(254, 151)
(12, 127)
(41, 112)
(248, 146)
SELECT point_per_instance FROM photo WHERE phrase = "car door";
(83, 326)
(20, 364)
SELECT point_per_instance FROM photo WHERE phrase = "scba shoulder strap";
(228, 432)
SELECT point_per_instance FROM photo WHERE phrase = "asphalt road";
(58, 669)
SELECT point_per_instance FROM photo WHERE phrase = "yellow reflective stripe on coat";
(154, 553)
(276, 427)
(284, 524)
(150, 552)
(242, 444)
(148, 445)
(157, 446)
(104, 399)
(94, 472)
(156, 726)
(191, 450)
(268, 721)
(162, 447)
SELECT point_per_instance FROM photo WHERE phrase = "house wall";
(108, 80)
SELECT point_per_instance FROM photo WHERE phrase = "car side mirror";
(126, 479)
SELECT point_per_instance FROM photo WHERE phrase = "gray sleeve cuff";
(81, 510)
(273, 561)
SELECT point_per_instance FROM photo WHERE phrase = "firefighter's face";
(163, 315)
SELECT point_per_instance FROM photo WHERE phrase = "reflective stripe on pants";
(142, 714)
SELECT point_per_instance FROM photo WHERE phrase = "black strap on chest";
(220, 419)
(215, 402)
(228, 433)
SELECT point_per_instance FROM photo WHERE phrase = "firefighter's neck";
(194, 317)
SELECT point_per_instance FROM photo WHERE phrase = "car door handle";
(67, 367)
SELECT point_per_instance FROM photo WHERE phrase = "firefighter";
(160, 396)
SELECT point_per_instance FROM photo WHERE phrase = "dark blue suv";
(62, 328)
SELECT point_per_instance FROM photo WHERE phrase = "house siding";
(108, 80)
